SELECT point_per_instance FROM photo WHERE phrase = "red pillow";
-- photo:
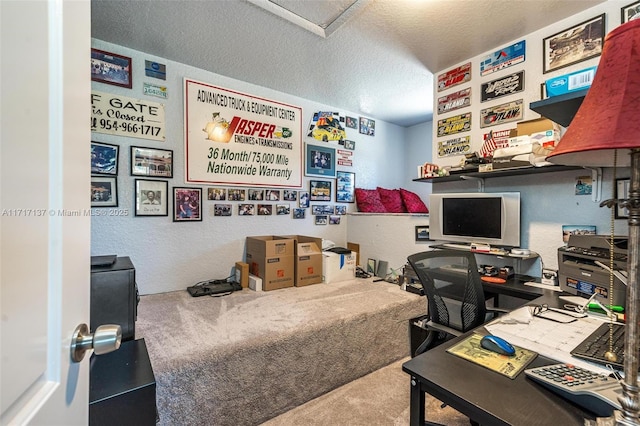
(368, 201)
(413, 202)
(392, 200)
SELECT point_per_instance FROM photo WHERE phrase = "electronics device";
(487, 218)
(583, 266)
(595, 392)
(214, 288)
(596, 345)
(497, 344)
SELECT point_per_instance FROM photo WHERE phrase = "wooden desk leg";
(416, 408)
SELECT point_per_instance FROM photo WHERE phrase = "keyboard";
(596, 345)
(592, 391)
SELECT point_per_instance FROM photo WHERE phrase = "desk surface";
(488, 397)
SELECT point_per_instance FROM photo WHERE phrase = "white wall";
(171, 256)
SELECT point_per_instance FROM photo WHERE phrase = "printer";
(584, 264)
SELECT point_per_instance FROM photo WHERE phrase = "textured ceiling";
(372, 57)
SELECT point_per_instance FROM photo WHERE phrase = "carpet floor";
(379, 398)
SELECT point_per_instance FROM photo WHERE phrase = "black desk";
(483, 395)
(514, 287)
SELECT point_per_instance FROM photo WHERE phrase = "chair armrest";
(430, 325)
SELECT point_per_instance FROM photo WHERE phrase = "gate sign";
(125, 116)
(232, 138)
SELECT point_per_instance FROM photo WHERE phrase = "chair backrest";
(453, 288)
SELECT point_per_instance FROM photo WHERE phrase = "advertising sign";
(457, 146)
(455, 100)
(455, 76)
(513, 83)
(233, 138)
(456, 124)
(123, 116)
(503, 113)
(503, 58)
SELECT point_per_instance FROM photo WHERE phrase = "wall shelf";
(462, 175)
(560, 109)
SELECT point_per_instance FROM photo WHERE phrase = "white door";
(44, 200)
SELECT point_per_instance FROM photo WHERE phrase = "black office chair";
(455, 298)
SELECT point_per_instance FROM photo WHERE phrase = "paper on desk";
(549, 338)
(540, 285)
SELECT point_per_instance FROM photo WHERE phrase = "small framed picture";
(246, 209)
(104, 158)
(222, 209)
(303, 201)
(265, 209)
(334, 220)
(151, 162)
(319, 190)
(573, 45)
(299, 213)
(320, 161)
(111, 68)
(350, 145)
(321, 220)
(371, 266)
(629, 11)
(283, 209)
(218, 194)
(351, 122)
(187, 204)
(256, 194)
(289, 195)
(367, 126)
(345, 187)
(422, 233)
(104, 191)
(234, 194)
(151, 197)
(622, 193)
(568, 230)
(341, 210)
(272, 195)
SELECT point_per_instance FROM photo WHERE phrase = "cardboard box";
(338, 267)
(272, 259)
(567, 83)
(530, 127)
(308, 259)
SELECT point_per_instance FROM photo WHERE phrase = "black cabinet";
(122, 387)
(114, 296)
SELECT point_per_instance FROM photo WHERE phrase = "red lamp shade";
(609, 117)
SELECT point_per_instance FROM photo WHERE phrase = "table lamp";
(606, 131)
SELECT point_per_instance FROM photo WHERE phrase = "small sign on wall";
(124, 116)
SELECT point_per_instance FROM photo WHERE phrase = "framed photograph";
(321, 220)
(345, 187)
(303, 201)
(319, 190)
(334, 220)
(104, 191)
(568, 230)
(422, 233)
(256, 194)
(350, 145)
(151, 197)
(299, 213)
(151, 162)
(187, 204)
(573, 45)
(111, 68)
(218, 194)
(341, 210)
(246, 209)
(272, 195)
(351, 122)
(371, 266)
(629, 11)
(283, 209)
(104, 158)
(234, 194)
(289, 195)
(367, 126)
(622, 193)
(265, 209)
(222, 209)
(320, 161)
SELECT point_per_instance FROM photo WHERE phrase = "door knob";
(105, 339)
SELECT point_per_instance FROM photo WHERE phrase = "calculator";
(595, 392)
